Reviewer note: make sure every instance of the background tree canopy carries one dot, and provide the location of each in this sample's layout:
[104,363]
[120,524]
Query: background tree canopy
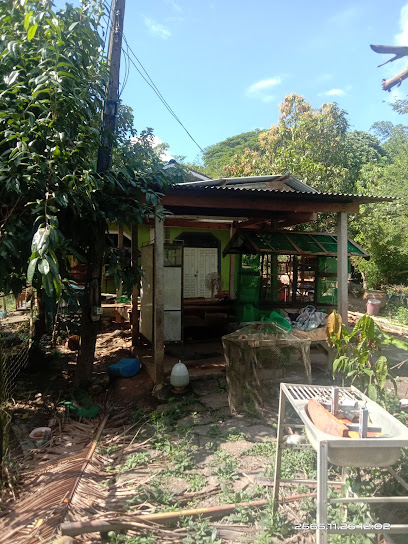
[318,147]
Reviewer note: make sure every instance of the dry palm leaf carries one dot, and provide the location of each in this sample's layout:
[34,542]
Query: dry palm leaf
[37,517]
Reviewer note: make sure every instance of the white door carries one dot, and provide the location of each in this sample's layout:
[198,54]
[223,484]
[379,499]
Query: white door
[198,263]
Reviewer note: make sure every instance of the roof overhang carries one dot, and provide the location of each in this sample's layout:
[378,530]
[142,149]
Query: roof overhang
[246,242]
[196,199]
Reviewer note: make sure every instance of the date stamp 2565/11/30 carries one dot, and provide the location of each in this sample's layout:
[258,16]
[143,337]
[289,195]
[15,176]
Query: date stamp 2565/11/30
[342,526]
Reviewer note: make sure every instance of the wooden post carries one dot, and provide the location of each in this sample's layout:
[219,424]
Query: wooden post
[158,297]
[322,500]
[136,287]
[232,271]
[342,266]
[120,246]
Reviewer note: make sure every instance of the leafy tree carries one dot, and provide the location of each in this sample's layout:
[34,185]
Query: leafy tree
[52,85]
[383,229]
[47,71]
[312,144]
[217,156]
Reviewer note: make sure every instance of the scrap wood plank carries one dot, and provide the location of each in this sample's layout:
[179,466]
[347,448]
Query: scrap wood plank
[325,421]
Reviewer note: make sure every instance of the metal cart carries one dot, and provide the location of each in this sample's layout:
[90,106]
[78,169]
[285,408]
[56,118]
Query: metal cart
[381,451]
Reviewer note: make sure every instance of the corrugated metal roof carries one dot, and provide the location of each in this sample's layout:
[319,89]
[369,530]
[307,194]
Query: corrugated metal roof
[307,195]
[254,182]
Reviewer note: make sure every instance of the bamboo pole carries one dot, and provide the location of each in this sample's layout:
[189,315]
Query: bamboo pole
[76,528]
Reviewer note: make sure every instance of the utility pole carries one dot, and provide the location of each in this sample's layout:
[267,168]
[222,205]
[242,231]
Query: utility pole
[91,305]
[112,91]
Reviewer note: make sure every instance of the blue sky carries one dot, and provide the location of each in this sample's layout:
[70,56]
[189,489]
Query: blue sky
[224,66]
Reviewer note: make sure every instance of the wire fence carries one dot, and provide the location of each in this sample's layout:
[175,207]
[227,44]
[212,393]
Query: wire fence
[14,357]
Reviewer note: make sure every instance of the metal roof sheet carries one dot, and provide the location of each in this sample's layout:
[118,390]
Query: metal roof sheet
[255,182]
[307,195]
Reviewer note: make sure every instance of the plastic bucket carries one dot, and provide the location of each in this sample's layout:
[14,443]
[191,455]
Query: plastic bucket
[373,306]
[249,313]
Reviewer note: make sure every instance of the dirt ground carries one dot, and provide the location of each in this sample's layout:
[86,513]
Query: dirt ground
[158,452]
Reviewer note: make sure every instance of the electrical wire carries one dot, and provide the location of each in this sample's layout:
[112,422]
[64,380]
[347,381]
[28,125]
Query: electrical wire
[153,86]
[108,16]
[127,70]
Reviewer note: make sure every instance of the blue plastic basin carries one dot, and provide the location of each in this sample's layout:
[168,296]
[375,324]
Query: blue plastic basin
[125,368]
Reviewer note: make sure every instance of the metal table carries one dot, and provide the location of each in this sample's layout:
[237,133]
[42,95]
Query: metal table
[381,451]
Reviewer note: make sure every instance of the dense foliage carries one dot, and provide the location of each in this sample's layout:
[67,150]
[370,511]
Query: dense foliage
[317,146]
[47,71]
[383,228]
[216,156]
[52,84]
[54,202]
[313,144]
[359,360]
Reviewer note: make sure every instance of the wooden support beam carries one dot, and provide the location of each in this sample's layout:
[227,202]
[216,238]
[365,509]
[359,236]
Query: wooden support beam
[232,270]
[158,297]
[296,219]
[120,246]
[342,266]
[192,223]
[136,287]
[178,203]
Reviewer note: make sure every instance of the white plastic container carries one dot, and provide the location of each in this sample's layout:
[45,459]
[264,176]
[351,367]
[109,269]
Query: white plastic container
[179,377]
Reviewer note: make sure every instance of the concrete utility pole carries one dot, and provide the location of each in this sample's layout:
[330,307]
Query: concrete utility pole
[112,92]
[91,305]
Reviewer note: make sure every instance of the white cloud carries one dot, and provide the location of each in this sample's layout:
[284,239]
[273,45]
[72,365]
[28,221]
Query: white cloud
[261,89]
[260,86]
[335,92]
[402,37]
[157,28]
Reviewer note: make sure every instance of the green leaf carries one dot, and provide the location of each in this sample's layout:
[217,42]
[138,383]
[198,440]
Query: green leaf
[48,285]
[66,74]
[27,19]
[372,392]
[53,266]
[398,343]
[381,371]
[57,287]
[31,270]
[56,151]
[12,77]
[337,362]
[43,267]
[31,32]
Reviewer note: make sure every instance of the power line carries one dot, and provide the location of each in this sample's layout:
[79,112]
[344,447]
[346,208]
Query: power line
[108,24]
[153,86]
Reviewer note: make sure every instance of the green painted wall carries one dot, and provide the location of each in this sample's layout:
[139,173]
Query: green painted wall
[144,238]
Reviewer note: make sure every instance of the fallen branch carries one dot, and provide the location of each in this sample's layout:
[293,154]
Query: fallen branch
[76,528]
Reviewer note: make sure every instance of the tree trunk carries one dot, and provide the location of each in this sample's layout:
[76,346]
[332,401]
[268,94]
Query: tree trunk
[39,324]
[91,301]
